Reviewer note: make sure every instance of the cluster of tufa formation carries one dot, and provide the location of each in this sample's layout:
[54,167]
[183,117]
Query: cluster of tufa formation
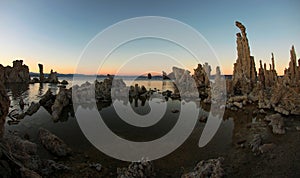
[267,78]
[244,72]
[281,93]
[18,73]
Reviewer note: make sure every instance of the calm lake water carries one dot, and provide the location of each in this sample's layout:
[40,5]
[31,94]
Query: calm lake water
[185,156]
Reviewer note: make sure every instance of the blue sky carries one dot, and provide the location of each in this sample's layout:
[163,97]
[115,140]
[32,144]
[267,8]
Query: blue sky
[55,32]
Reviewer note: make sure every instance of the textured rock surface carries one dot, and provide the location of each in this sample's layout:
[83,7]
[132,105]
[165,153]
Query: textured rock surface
[19,73]
[208,168]
[137,169]
[244,73]
[53,144]
[23,150]
[19,158]
[4,107]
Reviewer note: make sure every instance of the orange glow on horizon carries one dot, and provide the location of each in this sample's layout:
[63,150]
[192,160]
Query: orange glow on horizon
[33,67]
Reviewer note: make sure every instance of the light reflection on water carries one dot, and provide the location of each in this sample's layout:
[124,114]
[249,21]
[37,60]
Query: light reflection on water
[69,131]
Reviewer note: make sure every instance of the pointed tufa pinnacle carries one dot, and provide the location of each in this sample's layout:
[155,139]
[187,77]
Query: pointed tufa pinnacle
[241,27]
[273,63]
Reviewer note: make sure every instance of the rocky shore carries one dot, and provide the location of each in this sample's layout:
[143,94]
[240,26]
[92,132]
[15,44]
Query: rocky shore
[272,102]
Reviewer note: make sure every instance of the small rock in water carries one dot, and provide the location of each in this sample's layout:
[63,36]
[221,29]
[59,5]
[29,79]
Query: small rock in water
[53,144]
[33,108]
[64,82]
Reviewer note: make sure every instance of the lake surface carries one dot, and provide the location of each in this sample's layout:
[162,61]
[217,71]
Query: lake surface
[185,156]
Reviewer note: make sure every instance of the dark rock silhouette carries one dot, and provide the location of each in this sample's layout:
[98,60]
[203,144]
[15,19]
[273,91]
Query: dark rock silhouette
[41,69]
[19,73]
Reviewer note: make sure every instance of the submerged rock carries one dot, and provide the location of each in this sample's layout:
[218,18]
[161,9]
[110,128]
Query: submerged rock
[277,123]
[33,108]
[207,168]
[53,144]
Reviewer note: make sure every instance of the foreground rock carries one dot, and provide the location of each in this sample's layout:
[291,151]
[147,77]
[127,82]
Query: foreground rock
[142,169]
[4,107]
[19,158]
[207,168]
[53,144]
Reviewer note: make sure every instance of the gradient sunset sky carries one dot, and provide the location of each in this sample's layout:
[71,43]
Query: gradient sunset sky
[56,32]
